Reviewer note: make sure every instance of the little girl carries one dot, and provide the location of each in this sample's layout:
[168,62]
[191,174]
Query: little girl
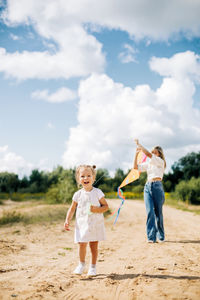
[154,196]
[90,204]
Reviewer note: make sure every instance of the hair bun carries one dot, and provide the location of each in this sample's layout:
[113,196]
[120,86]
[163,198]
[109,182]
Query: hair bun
[94,167]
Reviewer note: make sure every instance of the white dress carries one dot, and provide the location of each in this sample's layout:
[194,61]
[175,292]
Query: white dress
[89,226]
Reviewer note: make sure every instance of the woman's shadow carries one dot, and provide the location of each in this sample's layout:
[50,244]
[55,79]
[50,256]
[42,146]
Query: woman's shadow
[184,241]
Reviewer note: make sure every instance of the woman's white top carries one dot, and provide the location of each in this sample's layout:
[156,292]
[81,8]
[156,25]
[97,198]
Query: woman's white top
[89,226]
[155,167]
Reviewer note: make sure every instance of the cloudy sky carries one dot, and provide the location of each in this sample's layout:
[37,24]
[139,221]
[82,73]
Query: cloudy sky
[81,79]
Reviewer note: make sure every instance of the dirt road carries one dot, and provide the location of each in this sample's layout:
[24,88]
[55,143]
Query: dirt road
[37,261]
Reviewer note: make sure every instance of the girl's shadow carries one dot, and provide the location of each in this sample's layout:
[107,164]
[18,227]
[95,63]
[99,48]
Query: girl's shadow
[132,276]
[117,277]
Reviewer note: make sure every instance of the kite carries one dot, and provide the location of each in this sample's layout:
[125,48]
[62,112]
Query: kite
[132,176]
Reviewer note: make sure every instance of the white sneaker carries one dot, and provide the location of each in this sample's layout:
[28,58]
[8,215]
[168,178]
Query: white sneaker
[92,271]
[150,241]
[79,269]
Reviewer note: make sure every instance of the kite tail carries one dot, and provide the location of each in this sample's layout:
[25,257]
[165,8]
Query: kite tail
[120,195]
[132,176]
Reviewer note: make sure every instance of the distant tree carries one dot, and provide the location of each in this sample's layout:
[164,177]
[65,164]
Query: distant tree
[24,182]
[23,185]
[9,182]
[102,177]
[189,165]
[38,181]
[186,168]
[53,176]
[118,178]
[189,190]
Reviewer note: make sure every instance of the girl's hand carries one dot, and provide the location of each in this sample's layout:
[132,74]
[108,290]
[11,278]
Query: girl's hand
[66,226]
[92,208]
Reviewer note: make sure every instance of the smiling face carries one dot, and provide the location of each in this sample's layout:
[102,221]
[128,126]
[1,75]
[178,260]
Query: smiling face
[86,178]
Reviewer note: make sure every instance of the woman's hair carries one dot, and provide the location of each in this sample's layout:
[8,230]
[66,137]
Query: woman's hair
[92,168]
[161,153]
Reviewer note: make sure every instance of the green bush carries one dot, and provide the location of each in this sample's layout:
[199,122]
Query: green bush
[189,191]
[138,189]
[60,193]
[4,196]
[63,191]
[18,196]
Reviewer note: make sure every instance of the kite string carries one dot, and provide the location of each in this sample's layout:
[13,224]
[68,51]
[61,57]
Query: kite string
[98,179]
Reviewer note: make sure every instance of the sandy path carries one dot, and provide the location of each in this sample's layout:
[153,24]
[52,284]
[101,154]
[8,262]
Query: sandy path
[36,262]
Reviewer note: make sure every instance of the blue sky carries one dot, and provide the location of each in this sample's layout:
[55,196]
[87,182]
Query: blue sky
[78,85]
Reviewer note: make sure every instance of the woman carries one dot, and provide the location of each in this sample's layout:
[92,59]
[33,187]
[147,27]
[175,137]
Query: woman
[154,196]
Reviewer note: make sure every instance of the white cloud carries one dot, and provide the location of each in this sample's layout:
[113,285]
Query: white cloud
[181,65]
[14,37]
[15,163]
[44,65]
[182,72]
[12,162]
[79,53]
[61,95]
[50,125]
[128,55]
[111,115]
[3,149]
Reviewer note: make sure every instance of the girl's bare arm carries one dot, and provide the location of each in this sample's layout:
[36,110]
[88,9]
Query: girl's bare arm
[103,208]
[70,214]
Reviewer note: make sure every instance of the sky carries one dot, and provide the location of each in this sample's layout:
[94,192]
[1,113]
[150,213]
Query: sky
[81,79]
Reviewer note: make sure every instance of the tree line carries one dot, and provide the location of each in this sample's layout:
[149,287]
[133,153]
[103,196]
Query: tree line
[60,184]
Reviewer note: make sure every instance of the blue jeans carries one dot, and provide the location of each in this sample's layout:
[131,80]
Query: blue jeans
[154,199]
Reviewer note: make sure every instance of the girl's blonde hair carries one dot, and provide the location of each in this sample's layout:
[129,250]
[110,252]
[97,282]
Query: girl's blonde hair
[92,168]
[160,151]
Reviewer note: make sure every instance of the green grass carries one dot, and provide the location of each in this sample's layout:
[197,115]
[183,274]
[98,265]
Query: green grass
[37,215]
[48,215]
[183,206]
[67,248]
[11,217]
[20,197]
[4,196]
[16,232]
[62,253]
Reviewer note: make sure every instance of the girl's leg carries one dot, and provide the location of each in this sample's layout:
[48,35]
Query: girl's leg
[94,251]
[151,222]
[82,251]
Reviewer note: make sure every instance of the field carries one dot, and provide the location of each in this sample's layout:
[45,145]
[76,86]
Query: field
[37,257]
